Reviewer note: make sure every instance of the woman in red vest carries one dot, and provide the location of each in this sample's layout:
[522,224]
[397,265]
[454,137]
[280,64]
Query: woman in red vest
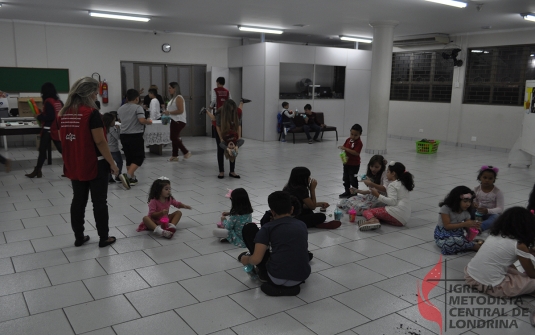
[87,159]
[48,118]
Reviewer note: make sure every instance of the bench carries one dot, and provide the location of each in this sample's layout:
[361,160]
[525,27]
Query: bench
[300,122]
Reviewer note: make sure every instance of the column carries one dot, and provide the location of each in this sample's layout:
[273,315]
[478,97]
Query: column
[383,37]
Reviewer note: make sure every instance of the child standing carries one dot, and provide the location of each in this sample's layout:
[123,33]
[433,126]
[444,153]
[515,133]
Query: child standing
[228,125]
[133,123]
[113,142]
[511,238]
[154,105]
[454,220]
[352,148]
[287,120]
[375,176]
[233,221]
[160,199]
[398,207]
[489,198]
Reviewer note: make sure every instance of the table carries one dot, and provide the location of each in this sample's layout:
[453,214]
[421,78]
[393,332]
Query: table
[156,135]
[23,130]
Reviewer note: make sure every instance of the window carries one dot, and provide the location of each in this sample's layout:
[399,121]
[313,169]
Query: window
[308,81]
[421,76]
[497,75]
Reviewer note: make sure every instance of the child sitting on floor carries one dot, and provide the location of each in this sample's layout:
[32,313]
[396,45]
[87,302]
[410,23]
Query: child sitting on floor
[232,222]
[489,199]
[286,266]
[454,221]
[492,269]
[160,200]
[398,207]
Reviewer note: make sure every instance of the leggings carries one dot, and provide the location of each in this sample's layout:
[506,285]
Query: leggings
[382,215]
[310,218]
[43,147]
[221,153]
[176,140]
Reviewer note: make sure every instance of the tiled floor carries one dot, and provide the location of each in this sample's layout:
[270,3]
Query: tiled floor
[362,282]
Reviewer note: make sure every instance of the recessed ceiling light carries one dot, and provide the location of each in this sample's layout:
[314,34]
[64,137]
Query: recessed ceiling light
[528,16]
[477,51]
[356,39]
[532,55]
[453,3]
[261,30]
[120,16]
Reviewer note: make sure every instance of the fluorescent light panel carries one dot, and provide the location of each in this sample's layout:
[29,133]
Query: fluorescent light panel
[356,39]
[529,17]
[120,16]
[450,3]
[260,30]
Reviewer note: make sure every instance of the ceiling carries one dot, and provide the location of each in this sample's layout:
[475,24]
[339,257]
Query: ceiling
[324,20]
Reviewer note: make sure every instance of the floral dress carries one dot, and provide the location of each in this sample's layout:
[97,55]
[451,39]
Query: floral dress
[234,224]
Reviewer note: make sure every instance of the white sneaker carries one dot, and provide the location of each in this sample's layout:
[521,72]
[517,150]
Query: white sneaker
[164,233]
[286,131]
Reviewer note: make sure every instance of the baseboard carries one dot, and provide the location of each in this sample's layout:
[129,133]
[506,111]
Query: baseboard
[455,144]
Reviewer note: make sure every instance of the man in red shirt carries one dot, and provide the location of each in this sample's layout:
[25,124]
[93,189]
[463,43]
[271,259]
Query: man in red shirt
[352,148]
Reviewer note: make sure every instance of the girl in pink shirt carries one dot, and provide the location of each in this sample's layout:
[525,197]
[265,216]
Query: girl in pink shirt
[160,199]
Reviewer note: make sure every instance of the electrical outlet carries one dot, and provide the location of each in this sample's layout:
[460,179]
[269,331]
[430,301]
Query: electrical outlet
[474,138]
[457,84]
[421,131]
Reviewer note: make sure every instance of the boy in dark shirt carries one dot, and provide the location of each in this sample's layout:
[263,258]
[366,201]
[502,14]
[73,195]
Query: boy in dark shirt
[352,148]
[311,123]
[286,266]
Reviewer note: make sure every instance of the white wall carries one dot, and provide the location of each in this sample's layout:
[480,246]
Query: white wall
[455,122]
[261,77]
[84,50]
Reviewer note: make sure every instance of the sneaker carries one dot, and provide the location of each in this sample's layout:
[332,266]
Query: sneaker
[369,226]
[346,194]
[245,101]
[283,140]
[262,275]
[279,291]
[188,155]
[167,233]
[203,110]
[316,140]
[309,141]
[132,181]
[125,180]
[118,179]
[329,225]
[286,131]
[223,240]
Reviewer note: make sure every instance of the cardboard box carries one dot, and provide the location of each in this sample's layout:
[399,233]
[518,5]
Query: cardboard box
[24,108]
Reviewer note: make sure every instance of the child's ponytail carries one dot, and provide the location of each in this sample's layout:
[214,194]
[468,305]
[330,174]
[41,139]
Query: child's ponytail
[404,176]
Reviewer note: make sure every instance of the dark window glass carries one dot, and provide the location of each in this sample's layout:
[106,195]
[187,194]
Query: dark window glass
[497,75]
[421,76]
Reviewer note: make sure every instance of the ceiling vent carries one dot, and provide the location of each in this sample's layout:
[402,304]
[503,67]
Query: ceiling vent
[417,40]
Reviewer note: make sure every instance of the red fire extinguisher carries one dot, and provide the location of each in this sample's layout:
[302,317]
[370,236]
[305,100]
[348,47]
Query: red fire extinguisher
[104,88]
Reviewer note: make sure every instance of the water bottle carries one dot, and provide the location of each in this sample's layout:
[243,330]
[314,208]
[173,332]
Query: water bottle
[479,217]
[338,214]
[249,269]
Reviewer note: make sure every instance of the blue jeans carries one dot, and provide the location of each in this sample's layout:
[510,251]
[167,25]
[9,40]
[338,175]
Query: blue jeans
[289,125]
[314,127]
[488,220]
[118,158]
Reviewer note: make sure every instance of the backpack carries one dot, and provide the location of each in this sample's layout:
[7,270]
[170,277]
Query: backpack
[279,122]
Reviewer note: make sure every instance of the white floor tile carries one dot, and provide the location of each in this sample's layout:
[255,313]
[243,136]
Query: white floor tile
[157,300]
[23,281]
[276,324]
[166,273]
[123,262]
[38,324]
[55,297]
[163,323]
[39,260]
[213,286]
[12,307]
[65,273]
[115,284]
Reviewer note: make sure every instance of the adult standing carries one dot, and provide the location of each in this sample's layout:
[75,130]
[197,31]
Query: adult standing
[176,108]
[51,107]
[87,159]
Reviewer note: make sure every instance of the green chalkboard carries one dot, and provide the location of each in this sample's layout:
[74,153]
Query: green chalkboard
[28,79]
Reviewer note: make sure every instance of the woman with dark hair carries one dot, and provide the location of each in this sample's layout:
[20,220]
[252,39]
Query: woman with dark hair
[511,239]
[301,186]
[176,108]
[87,159]
[48,118]
[228,127]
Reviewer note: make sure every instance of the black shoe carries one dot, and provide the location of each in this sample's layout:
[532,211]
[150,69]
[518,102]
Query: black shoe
[245,101]
[310,256]
[223,240]
[106,242]
[309,141]
[80,242]
[346,194]
[262,274]
[234,175]
[279,291]
[316,140]
[132,181]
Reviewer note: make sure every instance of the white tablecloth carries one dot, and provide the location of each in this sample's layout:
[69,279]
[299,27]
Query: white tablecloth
[157,133]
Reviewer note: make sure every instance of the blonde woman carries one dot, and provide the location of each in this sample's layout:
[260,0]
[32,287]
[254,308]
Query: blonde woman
[87,159]
[176,108]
